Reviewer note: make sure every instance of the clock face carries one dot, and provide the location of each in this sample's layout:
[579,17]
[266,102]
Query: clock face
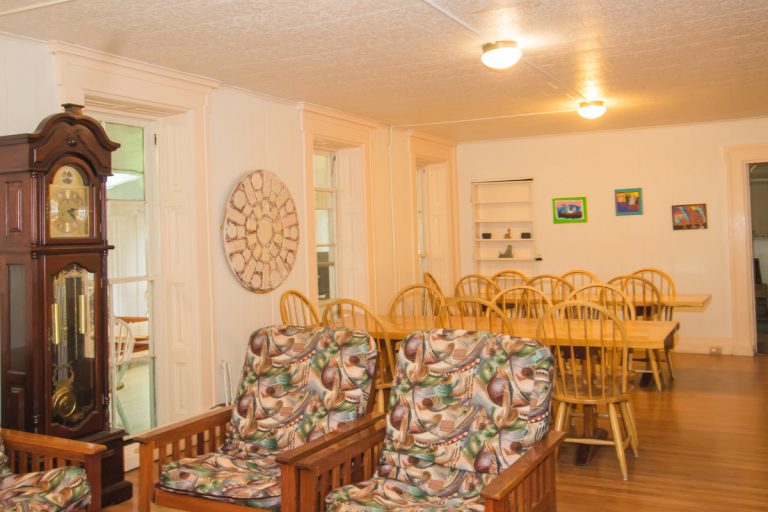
[69,212]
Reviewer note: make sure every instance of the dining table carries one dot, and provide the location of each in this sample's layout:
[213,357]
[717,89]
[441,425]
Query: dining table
[640,334]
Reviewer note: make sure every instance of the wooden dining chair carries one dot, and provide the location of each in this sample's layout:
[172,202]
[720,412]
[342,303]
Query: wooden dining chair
[431,281]
[592,372]
[296,309]
[417,300]
[608,296]
[554,287]
[121,352]
[474,314]
[476,285]
[356,315]
[509,278]
[647,303]
[580,278]
[522,302]
[668,291]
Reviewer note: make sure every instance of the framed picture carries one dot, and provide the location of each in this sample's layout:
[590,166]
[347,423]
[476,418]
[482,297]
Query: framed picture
[568,210]
[629,201]
[689,216]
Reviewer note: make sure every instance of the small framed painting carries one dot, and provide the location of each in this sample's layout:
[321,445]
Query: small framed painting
[629,201]
[569,210]
[689,216]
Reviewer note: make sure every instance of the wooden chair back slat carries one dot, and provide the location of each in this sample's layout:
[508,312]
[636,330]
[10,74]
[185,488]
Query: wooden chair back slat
[476,285]
[664,283]
[297,309]
[590,349]
[431,281]
[509,278]
[522,302]
[554,287]
[416,300]
[609,297]
[580,278]
[474,314]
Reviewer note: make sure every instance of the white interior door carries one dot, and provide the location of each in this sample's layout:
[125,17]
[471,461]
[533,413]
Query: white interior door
[437,228]
[352,225]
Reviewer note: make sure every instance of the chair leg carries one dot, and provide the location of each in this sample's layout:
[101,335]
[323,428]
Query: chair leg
[617,440]
[629,426]
[567,422]
[654,369]
[560,419]
[121,412]
[670,367]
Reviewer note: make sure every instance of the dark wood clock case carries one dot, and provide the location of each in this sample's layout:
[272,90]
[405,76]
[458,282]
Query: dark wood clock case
[53,287]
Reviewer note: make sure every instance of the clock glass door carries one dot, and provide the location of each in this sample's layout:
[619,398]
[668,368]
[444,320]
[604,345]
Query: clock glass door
[73,346]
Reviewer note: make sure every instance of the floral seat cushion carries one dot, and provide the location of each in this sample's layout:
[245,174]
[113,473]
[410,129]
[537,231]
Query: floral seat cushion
[298,383]
[464,406]
[57,490]
[4,469]
[247,480]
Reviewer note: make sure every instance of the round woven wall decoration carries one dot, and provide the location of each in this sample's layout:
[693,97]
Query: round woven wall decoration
[261,231]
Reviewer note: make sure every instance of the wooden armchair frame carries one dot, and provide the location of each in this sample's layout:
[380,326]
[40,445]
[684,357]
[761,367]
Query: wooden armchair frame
[28,452]
[204,434]
[526,485]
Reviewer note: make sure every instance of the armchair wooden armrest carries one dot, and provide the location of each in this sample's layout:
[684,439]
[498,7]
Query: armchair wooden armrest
[350,459]
[39,452]
[193,436]
[529,483]
[289,461]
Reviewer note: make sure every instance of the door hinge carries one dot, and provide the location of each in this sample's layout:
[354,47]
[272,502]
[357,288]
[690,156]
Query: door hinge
[155,137]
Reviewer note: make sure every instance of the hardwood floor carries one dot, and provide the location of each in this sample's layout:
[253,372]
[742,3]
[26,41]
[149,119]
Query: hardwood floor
[703,446]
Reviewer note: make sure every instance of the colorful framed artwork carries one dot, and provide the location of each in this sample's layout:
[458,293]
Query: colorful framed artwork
[689,216]
[569,210]
[629,201]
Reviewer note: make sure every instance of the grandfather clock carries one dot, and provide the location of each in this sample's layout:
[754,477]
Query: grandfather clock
[53,286]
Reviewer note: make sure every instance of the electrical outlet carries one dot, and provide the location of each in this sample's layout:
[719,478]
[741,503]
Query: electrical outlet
[715,351]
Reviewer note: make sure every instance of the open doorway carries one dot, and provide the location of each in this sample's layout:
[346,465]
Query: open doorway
[758,198]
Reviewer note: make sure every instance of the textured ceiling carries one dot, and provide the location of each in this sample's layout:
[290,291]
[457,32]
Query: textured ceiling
[404,62]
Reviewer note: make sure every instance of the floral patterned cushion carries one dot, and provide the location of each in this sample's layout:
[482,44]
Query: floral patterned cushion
[298,383]
[58,490]
[4,469]
[464,406]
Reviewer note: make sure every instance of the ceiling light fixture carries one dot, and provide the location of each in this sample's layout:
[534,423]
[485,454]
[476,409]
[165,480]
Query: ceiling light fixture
[591,109]
[501,54]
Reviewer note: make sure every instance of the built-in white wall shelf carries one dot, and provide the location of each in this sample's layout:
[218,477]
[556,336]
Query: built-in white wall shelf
[503,211]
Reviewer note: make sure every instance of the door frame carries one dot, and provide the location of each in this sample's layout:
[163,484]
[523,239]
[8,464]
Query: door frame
[743,319]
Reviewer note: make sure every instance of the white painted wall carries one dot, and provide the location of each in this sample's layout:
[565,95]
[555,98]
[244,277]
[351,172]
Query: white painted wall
[247,133]
[673,165]
[27,85]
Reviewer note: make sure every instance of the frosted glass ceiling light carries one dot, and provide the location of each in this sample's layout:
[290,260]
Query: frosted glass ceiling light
[591,109]
[501,54]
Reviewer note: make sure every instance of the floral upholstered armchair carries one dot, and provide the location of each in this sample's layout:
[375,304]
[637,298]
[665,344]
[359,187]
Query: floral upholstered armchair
[300,388]
[51,487]
[466,430]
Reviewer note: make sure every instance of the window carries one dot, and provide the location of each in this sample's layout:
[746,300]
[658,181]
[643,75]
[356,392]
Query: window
[324,179]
